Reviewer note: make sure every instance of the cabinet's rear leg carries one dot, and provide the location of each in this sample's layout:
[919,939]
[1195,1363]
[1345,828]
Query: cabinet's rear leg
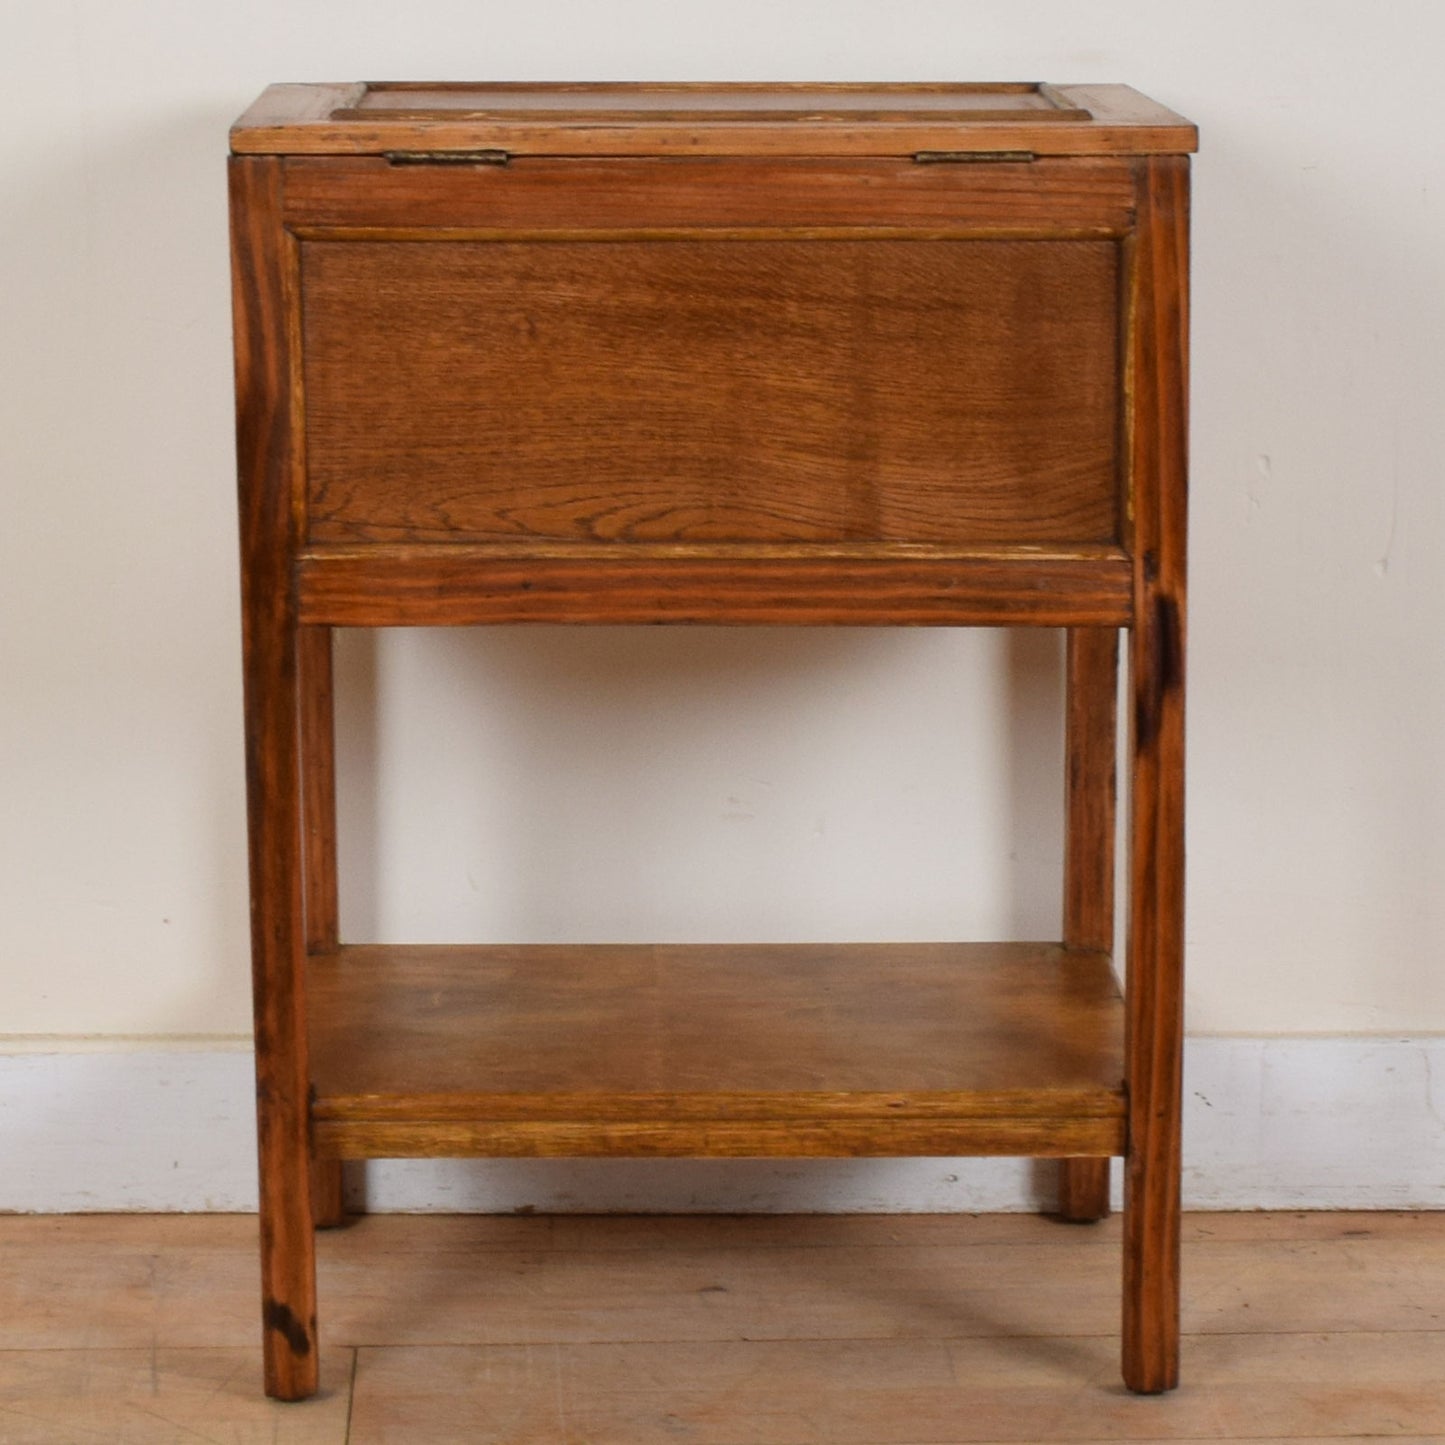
[1083,1190]
[318,788]
[1090,752]
[328,1193]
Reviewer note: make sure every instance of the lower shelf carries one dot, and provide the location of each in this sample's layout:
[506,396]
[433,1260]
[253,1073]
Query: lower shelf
[716,1050]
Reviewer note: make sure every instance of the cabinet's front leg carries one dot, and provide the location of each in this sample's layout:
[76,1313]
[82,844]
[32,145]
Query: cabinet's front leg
[1090,746]
[288,1268]
[1155,1006]
[318,788]
[264,267]
[1154,1014]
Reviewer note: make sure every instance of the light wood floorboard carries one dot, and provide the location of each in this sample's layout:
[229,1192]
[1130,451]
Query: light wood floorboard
[860,1330]
[866,1392]
[160,1396]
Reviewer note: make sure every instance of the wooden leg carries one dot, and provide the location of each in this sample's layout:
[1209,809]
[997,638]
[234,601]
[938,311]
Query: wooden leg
[328,1194]
[1154,1010]
[1083,1190]
[318,789]
[318,784]
[288,1267]
[268,468]
[1090,746]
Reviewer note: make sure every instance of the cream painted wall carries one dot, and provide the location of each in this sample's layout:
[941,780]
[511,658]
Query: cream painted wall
[725,784]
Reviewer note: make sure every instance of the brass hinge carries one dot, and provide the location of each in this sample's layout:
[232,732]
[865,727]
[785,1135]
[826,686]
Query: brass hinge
[940,158]
[447,158]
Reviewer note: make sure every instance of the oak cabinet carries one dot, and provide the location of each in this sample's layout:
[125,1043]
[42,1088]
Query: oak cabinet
[885,355]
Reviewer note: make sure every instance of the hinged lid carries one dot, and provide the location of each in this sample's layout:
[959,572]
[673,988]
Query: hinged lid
[644,119]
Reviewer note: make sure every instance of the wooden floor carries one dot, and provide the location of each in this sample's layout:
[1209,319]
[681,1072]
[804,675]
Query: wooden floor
[142,1330]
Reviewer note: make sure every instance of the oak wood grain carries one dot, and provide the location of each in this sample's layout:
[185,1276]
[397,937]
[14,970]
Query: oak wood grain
[318,814]
[1084,1189]
[726,1050]
[1155,1007]
[695,390]
[1090,743]
[1065,1135]
[574,102]
[664,120]
[262,270]
[298,105]
[345,196]
[438,585]
[733,359]
[318,786]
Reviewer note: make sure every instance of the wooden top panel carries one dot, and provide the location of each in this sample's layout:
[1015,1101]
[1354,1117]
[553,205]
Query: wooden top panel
[606,102]
[633,119]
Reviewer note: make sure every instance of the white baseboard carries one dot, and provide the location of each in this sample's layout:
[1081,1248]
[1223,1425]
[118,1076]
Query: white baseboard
[1289,1123]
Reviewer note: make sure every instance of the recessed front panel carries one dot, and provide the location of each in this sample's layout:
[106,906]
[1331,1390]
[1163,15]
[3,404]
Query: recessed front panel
[712,390]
